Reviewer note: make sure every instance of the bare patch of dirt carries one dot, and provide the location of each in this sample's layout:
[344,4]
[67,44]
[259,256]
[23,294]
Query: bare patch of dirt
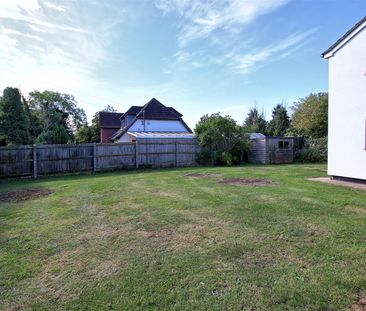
[360,304]
[203,175]
[24,195]
[247,182]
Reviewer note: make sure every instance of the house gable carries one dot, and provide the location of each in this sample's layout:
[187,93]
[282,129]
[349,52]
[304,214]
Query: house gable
[348,36]
[347,109]
[154,116]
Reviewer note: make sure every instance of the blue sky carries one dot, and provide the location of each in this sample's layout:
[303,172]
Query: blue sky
[199,56]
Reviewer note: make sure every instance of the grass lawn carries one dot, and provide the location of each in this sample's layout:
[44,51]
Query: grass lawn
[157,239]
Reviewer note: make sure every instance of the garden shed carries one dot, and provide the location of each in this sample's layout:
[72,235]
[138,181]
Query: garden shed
[268,149]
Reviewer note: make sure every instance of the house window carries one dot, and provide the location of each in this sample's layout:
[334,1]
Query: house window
[283,144]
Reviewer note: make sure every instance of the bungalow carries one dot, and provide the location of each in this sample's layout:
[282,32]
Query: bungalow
[347,105]
[154,120]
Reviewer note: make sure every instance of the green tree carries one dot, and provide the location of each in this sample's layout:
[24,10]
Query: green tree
[14,122]
[310,116]
[85,134]
[56,111]
[221,139]
[280,121]
[55,135]
[255,121]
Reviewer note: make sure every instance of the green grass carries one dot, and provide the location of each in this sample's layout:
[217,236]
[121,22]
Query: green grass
[157,239]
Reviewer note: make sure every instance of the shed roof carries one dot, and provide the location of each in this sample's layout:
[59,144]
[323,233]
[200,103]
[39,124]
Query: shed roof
[256,135]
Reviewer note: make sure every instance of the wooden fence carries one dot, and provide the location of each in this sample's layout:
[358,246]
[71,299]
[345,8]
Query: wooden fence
[35,160]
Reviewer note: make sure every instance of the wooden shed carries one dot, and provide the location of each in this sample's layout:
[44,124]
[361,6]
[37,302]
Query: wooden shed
[268,149]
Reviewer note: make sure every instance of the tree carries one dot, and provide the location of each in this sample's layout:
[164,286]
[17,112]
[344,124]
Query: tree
[14,122]
[59,114]
[222,140]
[280,121]
[85,135]
[310,116]
[255,121]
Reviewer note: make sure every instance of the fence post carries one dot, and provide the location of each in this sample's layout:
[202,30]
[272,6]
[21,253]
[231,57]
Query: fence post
[176,155]
[94,157]
[136,154]
[35,164]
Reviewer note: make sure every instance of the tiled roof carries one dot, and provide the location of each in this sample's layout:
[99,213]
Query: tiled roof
[176,112]
[133,110]
[155,110]
[110,119]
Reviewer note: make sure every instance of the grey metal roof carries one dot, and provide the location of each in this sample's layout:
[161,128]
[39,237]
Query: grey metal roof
[161,134]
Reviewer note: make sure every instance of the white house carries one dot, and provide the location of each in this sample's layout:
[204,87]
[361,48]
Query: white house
[154,120]
[347,105]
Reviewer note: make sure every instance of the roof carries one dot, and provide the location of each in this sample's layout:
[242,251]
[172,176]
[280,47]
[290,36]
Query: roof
[161,134]
[110,119]
[348,35]
[153,110]
[256,135]
[133,110]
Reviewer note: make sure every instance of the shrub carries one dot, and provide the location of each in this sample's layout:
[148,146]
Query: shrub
[222,141]
[315,150]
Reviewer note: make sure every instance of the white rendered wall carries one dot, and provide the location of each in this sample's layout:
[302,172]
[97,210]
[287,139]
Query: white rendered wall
[125,138]
[347,110]
[157,126]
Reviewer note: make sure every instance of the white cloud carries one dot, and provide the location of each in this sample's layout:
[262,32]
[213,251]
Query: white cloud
[201,18]
[244,63]
[221,23]
[53,6]
[54,45]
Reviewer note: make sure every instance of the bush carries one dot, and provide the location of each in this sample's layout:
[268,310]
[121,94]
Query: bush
[222,141]
[315,151]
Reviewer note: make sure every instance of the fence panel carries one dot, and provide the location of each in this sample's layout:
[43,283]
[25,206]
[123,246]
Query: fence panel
[34,160]
[64,158]
[115,156]
[16,161]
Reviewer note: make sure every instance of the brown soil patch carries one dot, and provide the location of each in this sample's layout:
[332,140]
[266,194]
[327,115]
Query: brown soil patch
[360,304]
[247,182]
[203,175]
[23,195]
